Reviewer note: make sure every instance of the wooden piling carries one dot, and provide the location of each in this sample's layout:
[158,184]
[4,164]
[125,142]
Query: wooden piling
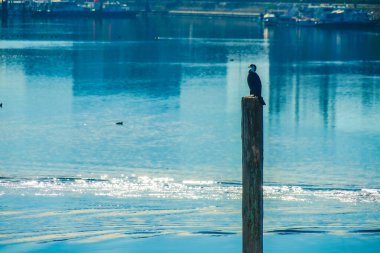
[252,160]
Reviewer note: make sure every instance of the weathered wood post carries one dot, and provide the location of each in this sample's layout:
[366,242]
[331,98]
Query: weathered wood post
[252,159]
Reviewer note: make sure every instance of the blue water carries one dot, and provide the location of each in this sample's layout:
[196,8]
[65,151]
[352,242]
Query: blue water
[71,177]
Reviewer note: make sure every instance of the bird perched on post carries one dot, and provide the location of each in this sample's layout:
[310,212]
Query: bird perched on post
[254,83]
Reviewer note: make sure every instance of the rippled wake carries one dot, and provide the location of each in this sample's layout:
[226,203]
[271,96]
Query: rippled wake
[168,188]
[87,210]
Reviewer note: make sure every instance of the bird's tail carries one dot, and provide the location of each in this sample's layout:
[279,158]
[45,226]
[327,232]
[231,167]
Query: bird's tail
[262,100]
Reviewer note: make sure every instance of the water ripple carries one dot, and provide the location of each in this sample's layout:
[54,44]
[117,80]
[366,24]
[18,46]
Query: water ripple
[168,188]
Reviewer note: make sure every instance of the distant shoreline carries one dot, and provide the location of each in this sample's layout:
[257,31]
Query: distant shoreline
[209,8]
[239,8]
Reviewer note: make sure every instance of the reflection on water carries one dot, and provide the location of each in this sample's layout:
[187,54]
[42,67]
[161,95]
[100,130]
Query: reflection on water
[320,62]
[125,69]
[174,166]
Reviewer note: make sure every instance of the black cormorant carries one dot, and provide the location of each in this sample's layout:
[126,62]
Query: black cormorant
[254,83]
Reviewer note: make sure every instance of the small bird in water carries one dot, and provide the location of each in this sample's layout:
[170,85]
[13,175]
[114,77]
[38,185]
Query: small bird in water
[1,105]
[119,123]
[254,83]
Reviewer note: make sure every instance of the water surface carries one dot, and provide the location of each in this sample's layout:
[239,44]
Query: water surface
[70,177]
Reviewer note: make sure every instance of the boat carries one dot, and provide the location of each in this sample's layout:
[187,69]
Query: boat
[270,19]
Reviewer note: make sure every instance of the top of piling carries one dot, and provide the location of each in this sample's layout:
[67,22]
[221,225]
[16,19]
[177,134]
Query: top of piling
[252,100]
[251,97]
